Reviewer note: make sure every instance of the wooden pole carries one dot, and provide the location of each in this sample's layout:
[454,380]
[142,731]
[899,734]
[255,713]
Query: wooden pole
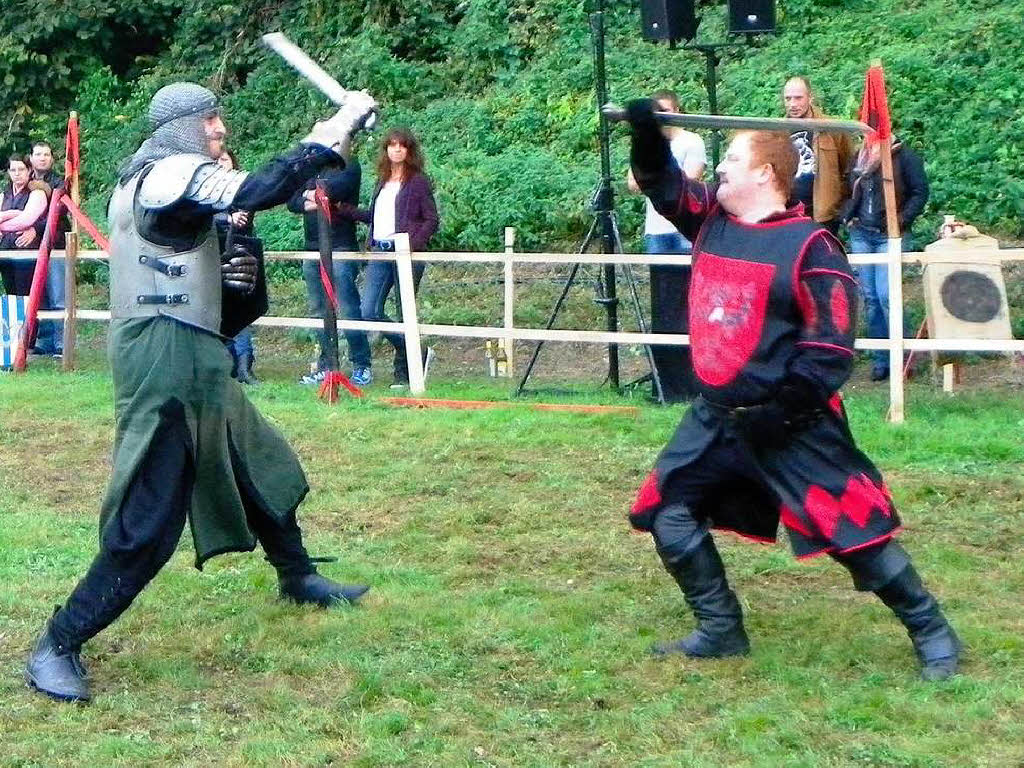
[895,274]
[510,297]
[70,261]
[407,299]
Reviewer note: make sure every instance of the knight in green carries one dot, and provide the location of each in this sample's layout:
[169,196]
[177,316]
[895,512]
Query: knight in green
[188,445]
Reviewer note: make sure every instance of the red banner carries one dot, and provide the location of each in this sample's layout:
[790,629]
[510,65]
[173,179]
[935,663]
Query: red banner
[86,224]
[72,153]
[874,108]
[324,203]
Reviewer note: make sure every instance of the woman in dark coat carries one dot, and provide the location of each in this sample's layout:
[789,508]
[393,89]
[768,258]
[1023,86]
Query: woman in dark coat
[403,201]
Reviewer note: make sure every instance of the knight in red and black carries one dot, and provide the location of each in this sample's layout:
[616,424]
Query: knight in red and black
[772,307]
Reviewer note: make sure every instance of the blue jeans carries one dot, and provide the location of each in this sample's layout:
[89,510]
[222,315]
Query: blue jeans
[50,336]
[670,242]
[242,346]
[379,279]
[348,304]
[874,286]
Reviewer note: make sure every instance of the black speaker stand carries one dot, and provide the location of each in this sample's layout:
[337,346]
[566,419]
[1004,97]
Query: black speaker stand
[605,229]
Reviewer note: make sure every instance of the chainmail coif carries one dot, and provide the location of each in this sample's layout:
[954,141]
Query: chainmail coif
[176,115]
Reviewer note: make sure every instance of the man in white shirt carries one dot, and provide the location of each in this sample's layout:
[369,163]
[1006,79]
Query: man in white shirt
[669,284]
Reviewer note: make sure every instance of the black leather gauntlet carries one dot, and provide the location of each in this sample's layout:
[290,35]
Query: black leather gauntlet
[238,269]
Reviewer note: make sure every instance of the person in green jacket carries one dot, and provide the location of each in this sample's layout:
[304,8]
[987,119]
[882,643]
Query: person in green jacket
[188,443]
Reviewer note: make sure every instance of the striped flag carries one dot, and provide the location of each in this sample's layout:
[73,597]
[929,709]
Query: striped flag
[12,317]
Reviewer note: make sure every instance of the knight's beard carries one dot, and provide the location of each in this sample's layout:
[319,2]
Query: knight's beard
[215,146]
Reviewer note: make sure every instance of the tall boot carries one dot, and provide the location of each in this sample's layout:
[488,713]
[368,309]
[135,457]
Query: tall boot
[935,642]
[888,572]
[700,575]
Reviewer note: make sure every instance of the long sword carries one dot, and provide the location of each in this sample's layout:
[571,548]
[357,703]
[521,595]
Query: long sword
[733,122]
[298,60]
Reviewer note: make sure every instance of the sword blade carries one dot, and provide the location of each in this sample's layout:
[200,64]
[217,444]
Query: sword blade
[297,59]
[735,122]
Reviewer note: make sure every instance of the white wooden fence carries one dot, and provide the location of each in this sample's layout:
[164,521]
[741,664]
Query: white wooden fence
[413,330]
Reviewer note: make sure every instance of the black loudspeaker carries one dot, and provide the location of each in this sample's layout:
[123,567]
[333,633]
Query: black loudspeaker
[668,19]
[751,16]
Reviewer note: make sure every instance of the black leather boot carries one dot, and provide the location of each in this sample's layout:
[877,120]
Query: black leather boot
[935,642]
[312,588]
[701,577]
[244,370]
[57,671]
[296,570]
[887,571]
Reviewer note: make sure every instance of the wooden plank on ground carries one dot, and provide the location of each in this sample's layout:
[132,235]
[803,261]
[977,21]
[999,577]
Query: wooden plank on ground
[478,405]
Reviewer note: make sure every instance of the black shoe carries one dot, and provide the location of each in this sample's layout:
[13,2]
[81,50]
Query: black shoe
[935,642]
[401,367]
[244,370]
[55,671]
[314,588]
[719,632]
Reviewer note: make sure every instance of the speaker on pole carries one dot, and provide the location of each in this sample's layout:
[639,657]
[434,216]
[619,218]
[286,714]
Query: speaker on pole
[668,19]
[751,17]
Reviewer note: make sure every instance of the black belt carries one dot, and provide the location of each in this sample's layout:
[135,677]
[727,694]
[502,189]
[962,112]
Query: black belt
[383,245]
[726,410]
[738,415]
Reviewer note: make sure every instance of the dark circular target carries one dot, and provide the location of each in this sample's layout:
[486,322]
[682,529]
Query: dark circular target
[970,296]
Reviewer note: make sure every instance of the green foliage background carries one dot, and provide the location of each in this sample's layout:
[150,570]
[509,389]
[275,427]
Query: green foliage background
[501,91]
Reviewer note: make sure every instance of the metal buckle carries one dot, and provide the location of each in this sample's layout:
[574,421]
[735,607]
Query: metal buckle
[159,298]
[171,270]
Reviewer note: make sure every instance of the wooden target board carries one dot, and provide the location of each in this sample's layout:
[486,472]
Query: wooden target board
[965,296]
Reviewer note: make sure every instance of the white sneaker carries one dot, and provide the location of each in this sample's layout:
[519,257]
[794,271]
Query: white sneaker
[311,379]
[428,358]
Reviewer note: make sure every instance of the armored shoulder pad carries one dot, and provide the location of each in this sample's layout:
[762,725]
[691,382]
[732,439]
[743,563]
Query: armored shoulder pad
[215,186]
[194,177]
[169,178]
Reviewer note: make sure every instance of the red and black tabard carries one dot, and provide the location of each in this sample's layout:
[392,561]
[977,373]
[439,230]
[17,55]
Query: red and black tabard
[769,301]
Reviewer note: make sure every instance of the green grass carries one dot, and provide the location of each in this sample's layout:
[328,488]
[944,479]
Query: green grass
[512,609]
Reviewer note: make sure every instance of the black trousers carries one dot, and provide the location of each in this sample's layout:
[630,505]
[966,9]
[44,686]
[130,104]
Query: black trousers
[17,275]
[670,286]
[678,529]
[142,538]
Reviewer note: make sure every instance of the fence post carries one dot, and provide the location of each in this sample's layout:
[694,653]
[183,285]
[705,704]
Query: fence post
[509,342]
[407,301]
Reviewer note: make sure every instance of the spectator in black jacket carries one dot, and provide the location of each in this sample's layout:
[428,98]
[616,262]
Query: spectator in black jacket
[242,347]
[864,215]
[342,187]
[15,196]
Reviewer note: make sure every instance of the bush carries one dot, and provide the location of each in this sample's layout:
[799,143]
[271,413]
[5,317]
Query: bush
[501,91]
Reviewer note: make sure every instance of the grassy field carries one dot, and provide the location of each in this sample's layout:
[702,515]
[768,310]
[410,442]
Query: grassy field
[512,609]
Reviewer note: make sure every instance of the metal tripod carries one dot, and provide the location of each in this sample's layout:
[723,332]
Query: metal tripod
[604,227]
